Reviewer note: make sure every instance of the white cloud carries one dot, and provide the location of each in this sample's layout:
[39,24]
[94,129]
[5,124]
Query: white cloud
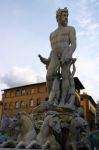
[20,76]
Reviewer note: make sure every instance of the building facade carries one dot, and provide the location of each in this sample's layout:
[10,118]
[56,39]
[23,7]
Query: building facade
[25,98]
[89,106]
[1,107]
[97,111]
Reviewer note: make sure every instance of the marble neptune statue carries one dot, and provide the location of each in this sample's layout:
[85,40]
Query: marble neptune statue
[60,82]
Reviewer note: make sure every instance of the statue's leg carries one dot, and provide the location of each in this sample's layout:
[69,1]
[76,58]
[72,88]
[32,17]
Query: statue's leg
[71,91]
[65,83]
[55,91]
[51,72]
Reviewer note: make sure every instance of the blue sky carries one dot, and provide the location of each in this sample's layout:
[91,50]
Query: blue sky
[25,26]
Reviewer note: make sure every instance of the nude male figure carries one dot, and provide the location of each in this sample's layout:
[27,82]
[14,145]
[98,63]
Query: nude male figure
[63,44]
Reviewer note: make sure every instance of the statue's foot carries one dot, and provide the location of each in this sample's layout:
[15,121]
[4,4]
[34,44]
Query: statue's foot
[70,106]
[33,145]
[55,104]
[50,102]
[21,144]
[61,104]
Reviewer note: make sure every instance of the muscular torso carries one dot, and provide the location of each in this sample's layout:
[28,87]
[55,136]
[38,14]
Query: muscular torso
[60,40]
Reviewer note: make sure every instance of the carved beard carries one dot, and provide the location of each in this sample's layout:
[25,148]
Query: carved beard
[63,22]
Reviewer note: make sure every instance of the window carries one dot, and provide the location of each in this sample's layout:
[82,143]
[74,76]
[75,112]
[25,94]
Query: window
[7,94]
[32,90]
[38,101]
[31,103]
[22,104]
[27,92]
[5,106]
[39,89]
[46,99]
[18,92]
[23,92]
[26,105]
[17,105]
[12,94]
[82,98]
[46,88]
[10,105]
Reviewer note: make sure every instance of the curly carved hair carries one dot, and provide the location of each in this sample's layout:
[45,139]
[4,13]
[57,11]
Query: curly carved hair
[60,11]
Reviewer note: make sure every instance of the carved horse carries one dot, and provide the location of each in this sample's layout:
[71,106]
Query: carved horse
[46,138]
[27,131]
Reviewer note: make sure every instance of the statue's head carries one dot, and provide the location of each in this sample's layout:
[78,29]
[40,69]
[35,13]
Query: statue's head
[18,119]
[16,122]
[62,16]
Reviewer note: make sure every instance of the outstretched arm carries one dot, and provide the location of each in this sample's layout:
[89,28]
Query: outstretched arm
[45,61]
